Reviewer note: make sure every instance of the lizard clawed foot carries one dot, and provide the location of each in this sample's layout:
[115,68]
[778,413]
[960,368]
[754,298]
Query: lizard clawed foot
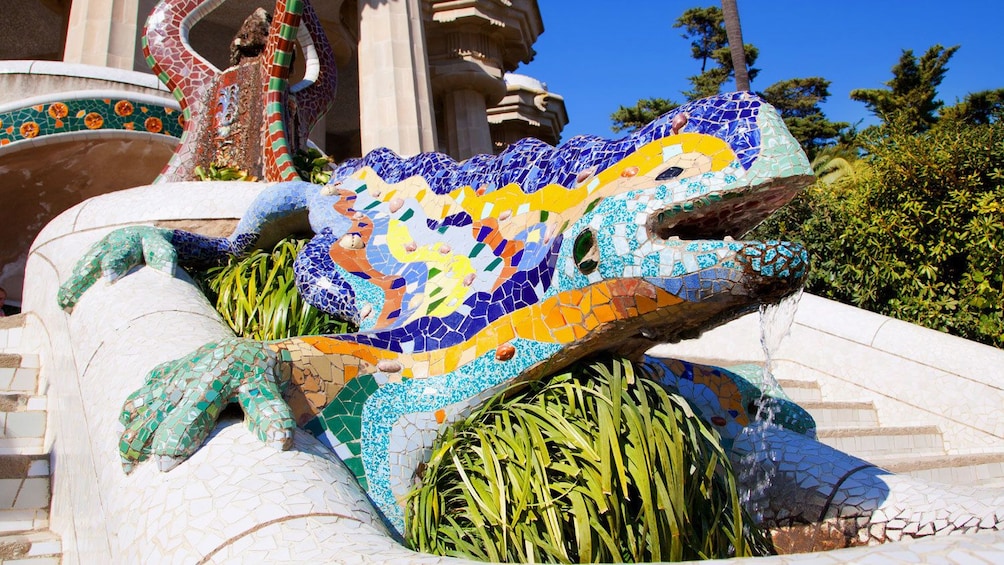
[172,414]
[116,254]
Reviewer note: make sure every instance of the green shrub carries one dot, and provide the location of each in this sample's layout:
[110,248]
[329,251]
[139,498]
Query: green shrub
[313,166]
[595,464]
[256,295]
[916,233]
[217,173]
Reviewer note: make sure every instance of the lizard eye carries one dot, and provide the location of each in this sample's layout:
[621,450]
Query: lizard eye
[585,253]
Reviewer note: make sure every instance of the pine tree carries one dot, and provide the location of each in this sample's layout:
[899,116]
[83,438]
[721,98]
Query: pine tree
[910,99]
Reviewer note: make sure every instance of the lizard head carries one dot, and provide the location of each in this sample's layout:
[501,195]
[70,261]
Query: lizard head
[657,231]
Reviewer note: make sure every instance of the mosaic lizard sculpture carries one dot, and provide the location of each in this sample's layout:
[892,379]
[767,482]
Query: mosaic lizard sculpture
[466,277]
[247,116]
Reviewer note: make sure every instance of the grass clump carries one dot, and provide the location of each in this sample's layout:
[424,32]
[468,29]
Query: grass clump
[222,173]
[596,464]
[257,297]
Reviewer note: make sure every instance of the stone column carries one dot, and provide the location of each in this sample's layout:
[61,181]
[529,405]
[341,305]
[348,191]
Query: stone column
[464,117]
[103,33]
[395,97]
[471,45]
[527,110]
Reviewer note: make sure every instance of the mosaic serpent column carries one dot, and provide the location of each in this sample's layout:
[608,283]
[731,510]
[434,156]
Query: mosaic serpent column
[246,116]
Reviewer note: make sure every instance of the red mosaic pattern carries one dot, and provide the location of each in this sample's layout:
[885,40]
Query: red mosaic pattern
[288,116]
[278,54]
[186,74]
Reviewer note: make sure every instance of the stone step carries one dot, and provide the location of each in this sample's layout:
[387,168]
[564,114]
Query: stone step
[11,328]
[842,414]
[31,548]
[24,521]
[25,493]
[22,417]
[801,391]
[24,483]
[22,377]
[871,442]
[980,470]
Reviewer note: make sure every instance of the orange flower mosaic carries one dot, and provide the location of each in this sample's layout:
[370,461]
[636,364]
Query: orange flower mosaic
[58,110]
[123,108]
[29,130]
[94,120]
[69,114]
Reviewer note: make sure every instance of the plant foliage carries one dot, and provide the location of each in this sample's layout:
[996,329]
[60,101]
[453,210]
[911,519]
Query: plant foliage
[983,107]
[917,232]
[640,114]
[217,173]
[313,166]
[706,27]
[910,99]
[256,295]
[596,464]
[798,100]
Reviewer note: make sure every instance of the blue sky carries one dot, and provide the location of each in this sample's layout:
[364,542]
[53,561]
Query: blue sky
[600,54]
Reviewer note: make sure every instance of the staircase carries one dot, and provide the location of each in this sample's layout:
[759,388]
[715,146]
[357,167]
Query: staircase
[918,451]
[24,462]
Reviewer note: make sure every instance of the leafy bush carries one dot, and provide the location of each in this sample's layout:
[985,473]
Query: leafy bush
[594,465]
[256,295]
[218,173]
[916,233]
[313,166]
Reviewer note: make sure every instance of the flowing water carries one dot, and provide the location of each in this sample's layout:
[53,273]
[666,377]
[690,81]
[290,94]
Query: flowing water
[775,325]
[757,468]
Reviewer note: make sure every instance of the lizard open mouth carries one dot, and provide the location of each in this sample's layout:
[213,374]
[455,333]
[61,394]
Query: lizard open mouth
[725,214]
[690,274]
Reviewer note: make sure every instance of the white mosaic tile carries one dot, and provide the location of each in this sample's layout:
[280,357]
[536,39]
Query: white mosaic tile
[34,494]
[6,377]
[8,492]
[24,425]
[25,380]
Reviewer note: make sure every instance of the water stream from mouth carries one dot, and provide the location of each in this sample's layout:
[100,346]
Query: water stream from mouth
[775,325]
[757,470]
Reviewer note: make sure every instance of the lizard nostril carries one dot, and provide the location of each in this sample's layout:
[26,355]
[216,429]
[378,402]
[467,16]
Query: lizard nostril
[584,252]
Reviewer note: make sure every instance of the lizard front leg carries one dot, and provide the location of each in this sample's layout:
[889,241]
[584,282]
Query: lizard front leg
[171,415]
[275,213]
[120,251]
